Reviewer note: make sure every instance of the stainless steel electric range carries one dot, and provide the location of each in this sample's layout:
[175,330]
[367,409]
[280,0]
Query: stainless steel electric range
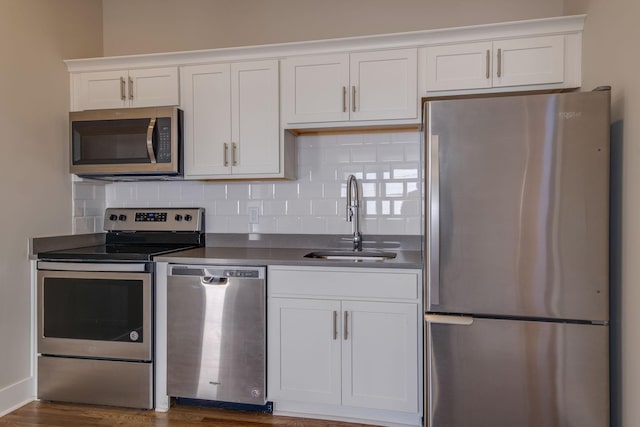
[96,312]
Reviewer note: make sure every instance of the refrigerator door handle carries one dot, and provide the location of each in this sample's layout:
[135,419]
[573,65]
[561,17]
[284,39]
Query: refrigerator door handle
[448,320]
[433,226]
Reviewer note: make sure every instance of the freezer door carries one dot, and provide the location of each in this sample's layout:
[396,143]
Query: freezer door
[489,373]
[517,213]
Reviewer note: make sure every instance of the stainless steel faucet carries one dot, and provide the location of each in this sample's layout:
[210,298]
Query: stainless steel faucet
[353,198]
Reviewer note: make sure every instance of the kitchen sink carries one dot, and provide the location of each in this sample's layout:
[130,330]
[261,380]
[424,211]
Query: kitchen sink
[352,255]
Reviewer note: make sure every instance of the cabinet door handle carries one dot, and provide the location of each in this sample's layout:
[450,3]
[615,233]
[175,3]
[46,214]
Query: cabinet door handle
[488,61]
[234,158]
[499,63]
[346,325]
[344,99]
[130,88]
[335,325]
[122,84]
[225,153]
[353,98]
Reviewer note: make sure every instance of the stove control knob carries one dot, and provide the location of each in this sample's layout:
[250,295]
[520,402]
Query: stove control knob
[178,217]
[113,217]
[188,217]
[122,217]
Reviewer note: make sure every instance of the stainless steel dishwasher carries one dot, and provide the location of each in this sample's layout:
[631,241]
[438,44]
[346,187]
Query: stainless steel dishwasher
[216,337]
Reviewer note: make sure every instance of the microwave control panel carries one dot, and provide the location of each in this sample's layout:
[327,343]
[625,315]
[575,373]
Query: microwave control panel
[163,129]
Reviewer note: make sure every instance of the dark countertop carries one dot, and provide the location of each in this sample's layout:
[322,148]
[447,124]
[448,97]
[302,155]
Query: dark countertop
[283,256]
[263,249]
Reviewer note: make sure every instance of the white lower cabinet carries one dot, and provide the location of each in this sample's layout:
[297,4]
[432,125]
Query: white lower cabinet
[305,355]
[345,342]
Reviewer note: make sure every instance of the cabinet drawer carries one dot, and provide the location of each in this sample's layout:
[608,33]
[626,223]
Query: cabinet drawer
[344,282]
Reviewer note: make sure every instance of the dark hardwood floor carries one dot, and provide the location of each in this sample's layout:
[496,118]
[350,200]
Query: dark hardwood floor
[71,415]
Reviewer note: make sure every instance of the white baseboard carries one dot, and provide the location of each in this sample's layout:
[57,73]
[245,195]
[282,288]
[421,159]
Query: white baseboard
[17,395]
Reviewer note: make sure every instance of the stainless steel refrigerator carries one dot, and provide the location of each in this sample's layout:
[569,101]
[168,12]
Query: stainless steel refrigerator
[516,261]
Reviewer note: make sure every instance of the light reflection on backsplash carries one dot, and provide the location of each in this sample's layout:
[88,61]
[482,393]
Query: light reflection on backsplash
[387,166]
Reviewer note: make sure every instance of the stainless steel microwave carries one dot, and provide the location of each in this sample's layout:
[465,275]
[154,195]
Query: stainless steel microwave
[126,143]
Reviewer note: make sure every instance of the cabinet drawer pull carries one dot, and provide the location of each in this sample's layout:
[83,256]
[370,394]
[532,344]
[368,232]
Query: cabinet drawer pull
[122,84]
[346,325]
[335,325]
[499,63]
[225,154]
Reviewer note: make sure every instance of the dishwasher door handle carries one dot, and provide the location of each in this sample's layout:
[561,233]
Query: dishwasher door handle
[214,280]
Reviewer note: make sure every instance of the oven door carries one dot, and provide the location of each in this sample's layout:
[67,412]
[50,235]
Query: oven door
[102,314]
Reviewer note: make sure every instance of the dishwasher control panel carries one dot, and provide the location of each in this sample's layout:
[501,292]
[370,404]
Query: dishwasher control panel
[242,273]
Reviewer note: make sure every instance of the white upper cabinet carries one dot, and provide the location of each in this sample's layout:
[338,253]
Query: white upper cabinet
[377,85]
[231,120]
[315,88]
[149,87]
[529,61]
[497,64]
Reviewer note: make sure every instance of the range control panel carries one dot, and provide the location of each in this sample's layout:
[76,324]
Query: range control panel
[154,219]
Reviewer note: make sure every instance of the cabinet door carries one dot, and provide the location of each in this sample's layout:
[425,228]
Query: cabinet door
[206,101]
[384,85]
[459,66]
[103,89]
[380,355]
[255,142]
[528,61]
[316,88]
[303,350]
[153,87]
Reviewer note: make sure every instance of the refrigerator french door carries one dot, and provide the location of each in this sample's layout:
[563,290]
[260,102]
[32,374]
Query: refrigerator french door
[517,289]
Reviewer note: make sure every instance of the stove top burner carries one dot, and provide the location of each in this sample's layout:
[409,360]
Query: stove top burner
[139,234]
[113,252]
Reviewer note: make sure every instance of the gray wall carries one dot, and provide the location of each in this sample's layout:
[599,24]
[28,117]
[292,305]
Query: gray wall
[146,26]
[35,36]
[610,57]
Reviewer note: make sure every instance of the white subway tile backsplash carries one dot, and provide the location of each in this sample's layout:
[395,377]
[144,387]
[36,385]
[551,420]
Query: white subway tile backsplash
[364,154]
[237,191]
[387,166]
[194,191]
[288,224]
[314,224]
[310,190]
[262,191]
[391,225]
[299,207]
[227,207]
[286,190]
[217,223]
[214,191]
[274,207]
[390,153]
[324,207]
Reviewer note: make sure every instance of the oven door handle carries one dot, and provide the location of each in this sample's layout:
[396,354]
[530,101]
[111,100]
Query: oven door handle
[89,266]
[150,128]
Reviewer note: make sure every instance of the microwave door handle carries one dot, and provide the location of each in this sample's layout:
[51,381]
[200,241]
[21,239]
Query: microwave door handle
[152,125]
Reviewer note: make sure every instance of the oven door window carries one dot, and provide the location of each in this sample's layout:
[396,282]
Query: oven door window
[93,309]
